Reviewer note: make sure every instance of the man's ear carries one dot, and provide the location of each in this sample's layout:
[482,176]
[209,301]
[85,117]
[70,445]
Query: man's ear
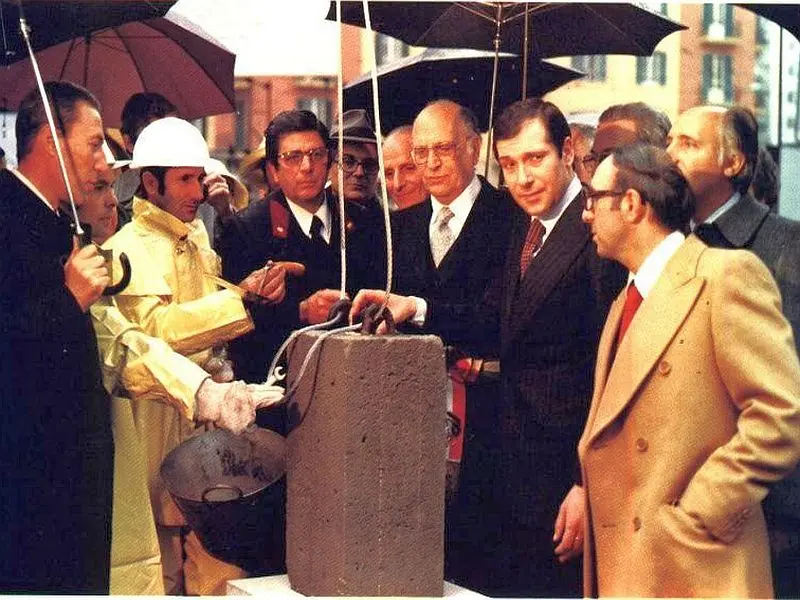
[273,172]
[475,145]
[568,151]
[150,183]
[733,164]
[633,206]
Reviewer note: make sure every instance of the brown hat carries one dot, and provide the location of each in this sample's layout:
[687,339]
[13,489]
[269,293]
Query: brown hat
[356,127]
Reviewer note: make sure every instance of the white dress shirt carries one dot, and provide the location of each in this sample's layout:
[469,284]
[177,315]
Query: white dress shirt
[461,208]
[652,267]
[304,218]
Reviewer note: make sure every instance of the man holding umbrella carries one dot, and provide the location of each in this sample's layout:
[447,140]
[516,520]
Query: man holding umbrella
[55,434]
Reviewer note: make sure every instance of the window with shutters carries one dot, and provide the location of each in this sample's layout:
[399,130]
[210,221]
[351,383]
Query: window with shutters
[319,106]
[718,21]
[652,69]
[388,49]
[593,65]
[717,79]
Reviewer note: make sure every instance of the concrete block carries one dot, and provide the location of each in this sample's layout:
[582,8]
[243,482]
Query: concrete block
[366,467]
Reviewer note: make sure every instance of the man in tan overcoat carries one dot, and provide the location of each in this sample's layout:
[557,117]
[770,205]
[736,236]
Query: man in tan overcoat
[696,406]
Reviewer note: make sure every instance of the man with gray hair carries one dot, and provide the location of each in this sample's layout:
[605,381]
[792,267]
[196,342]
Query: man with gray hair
[716,149]
[623,124]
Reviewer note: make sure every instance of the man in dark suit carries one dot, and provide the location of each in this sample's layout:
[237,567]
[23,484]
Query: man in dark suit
[453,261]
[716,149]
[300,223]
[551,303]
[55,431]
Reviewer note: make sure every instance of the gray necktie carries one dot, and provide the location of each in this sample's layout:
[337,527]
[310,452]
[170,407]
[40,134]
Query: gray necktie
[442,236]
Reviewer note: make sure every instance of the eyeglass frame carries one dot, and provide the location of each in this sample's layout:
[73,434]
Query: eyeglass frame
[440,150]
[595,159]
[592,196]
[374,165]
[314,156]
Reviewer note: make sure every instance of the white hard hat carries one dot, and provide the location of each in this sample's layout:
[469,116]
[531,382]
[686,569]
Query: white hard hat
[170,142]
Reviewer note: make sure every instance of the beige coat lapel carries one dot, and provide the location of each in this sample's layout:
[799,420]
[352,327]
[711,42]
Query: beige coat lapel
[652,329]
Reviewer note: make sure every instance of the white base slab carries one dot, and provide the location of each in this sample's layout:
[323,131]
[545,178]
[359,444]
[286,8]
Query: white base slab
[277,587]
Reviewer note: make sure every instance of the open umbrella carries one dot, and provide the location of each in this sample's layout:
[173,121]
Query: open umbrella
[461,75]
[169,55]
[555,28]
[55,21]
[538,29]
[785,15]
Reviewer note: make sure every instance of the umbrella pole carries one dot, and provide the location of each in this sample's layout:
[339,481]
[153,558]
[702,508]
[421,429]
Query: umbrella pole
[494,89]
[525,45]
[23,26]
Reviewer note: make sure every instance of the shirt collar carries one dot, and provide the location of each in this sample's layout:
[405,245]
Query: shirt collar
[157,218]
[27,182]
[550,219]
[304,218]
[720,211]
[652,267]
[462,203]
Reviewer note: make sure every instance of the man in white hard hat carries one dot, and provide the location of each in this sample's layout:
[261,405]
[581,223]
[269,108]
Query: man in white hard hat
[170,296]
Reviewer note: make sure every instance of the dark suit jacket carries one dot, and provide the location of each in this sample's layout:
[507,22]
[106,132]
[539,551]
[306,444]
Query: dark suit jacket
[55,422]
[248,239]
[465,273]
[550,324]
[776,241]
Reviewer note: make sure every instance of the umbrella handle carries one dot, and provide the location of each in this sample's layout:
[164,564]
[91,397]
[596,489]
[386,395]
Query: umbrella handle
[85,238]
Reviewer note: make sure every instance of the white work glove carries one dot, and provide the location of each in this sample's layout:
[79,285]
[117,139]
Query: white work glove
[232,406]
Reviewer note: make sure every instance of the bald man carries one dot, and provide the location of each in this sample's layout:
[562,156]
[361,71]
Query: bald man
[403,178]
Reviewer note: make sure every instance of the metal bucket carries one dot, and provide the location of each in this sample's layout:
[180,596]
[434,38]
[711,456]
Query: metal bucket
[232,491]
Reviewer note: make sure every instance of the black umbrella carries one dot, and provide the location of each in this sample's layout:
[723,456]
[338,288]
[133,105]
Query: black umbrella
[461,75]
[538,29]
[785,15]
[55,21]
[556,28]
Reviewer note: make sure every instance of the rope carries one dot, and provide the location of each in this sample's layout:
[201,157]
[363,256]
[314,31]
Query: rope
[339,153]
[387,224]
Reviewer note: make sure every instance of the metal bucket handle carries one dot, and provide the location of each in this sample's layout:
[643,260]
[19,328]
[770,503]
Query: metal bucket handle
[221,486]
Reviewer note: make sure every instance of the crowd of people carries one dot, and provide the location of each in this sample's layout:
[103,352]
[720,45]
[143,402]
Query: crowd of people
[621,317]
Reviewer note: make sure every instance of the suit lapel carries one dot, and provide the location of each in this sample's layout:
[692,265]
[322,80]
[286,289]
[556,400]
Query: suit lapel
[548,267]
[652,329]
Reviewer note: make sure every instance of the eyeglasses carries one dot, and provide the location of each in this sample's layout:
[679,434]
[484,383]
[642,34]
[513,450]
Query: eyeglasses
[592,196]
[591,160]
[294,158]
[350,163]
[419,154]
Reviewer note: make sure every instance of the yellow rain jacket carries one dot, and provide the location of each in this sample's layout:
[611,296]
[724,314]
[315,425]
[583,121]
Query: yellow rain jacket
[171,299]
[130,358]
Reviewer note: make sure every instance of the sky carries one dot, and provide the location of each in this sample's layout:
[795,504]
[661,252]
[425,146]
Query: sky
[270,37]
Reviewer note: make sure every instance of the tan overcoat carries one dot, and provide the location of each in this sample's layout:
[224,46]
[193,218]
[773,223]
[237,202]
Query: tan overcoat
[691,421]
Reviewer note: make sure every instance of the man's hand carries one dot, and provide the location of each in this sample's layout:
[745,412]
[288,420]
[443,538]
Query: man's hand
[569,532]
[269,282]
[402,308]
[218,194]
[316,308]
[86,274]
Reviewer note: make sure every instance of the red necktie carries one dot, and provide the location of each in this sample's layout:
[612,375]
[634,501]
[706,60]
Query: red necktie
[632,301]
[533,241]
